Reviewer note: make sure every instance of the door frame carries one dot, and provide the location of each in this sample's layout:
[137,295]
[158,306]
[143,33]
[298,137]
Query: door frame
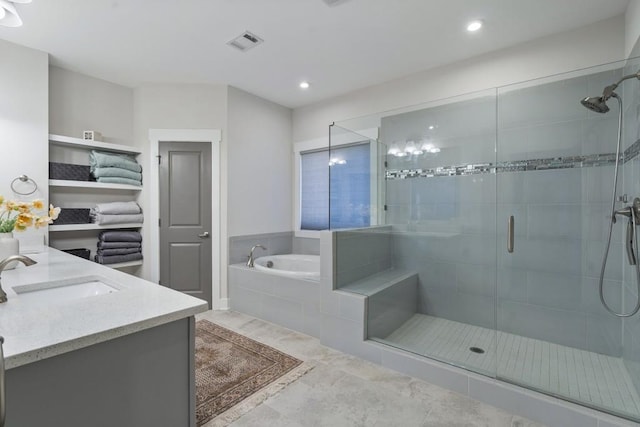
[214,137]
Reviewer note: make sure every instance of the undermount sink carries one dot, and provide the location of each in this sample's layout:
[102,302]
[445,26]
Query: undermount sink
[66,290]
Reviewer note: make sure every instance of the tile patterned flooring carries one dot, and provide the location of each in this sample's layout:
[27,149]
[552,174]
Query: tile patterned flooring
[599,380]
[343,390]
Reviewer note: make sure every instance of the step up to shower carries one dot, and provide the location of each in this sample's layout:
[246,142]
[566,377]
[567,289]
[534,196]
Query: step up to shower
[392,299]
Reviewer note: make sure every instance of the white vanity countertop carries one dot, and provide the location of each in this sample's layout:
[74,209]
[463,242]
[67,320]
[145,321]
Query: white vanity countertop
[36,330]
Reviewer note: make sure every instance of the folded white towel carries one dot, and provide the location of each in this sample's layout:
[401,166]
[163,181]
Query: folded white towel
[117,208]
[104,219]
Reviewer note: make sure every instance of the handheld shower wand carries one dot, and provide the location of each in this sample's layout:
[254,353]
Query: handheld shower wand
[598,104]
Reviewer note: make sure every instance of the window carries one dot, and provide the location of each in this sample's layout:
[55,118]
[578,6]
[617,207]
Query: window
[335,188]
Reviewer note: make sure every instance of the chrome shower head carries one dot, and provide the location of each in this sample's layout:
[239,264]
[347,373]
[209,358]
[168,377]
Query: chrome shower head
[599,103]
[595,103]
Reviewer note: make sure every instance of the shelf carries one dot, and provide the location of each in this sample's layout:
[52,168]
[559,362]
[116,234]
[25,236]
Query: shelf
[69,141]
[124,264]
[92,184]
[80,227]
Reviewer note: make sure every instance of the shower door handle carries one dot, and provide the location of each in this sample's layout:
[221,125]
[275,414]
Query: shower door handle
[510,233]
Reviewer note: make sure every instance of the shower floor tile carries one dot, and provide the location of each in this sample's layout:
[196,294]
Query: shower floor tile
[583,376]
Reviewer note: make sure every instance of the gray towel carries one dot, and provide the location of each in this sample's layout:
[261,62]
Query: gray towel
[118,180]
[120,236]
[100,159]
[117,219]
[120,251]
[117,208]
[119,245]
[113,259]
[116,172]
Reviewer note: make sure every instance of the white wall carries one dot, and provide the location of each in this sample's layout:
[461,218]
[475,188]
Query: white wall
[632,26]
[24,120]
[260,166]
[598,43]
[173,106]
[78,102]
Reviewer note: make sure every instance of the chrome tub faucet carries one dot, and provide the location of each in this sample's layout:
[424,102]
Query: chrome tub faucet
[250,260]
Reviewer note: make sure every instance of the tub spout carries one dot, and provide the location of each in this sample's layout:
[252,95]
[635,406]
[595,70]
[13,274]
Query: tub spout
[250,260]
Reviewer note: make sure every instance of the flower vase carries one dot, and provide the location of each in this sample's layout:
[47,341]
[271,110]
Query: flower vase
[9,246]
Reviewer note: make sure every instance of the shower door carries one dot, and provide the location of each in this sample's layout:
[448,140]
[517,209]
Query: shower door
[440,213]
[554,178]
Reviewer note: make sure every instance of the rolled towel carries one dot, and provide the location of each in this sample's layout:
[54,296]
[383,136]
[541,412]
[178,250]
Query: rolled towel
[120,236]
[118,180]
[103,219]
[100,159]
[119,245]
[113,259]
[117,208]
[99,172]
[120,251]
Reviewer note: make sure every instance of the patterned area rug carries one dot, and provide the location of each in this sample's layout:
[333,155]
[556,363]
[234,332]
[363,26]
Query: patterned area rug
[231,367]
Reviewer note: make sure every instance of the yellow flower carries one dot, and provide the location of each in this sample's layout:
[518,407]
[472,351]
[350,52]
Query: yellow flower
[18,215]
[53,212]
[24,207]
[42,221]
[24,220]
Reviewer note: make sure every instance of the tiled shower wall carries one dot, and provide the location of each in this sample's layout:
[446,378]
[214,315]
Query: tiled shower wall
[631,326]
[450,229]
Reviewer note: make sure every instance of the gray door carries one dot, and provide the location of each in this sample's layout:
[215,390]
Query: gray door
[185,217]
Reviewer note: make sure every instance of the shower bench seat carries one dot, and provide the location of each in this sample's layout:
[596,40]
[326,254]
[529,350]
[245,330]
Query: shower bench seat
[392,299]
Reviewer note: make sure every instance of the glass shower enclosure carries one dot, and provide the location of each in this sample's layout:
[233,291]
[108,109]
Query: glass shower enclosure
[492,216]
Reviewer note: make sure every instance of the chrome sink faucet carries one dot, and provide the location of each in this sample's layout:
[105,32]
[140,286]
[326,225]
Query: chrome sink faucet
[250,260]
[3,264]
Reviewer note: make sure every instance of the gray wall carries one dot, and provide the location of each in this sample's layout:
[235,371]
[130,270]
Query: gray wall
[260,165]
[24,125]
[78,102]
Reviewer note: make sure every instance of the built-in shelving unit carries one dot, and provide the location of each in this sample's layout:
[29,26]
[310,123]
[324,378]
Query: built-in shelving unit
[70,141]
[92,184]
[84,193]
[81,227]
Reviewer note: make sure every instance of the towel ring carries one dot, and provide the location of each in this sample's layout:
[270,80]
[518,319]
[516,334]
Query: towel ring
[24,178]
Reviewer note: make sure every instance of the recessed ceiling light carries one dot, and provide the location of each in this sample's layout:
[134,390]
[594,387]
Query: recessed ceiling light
[474,26]
[304,85]
[432,127]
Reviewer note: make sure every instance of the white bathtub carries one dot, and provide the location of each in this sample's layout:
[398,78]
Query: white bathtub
[296,266]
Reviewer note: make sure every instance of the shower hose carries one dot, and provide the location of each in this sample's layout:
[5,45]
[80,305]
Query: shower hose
[613,220]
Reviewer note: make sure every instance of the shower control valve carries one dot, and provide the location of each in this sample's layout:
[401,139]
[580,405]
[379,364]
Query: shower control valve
[632,212]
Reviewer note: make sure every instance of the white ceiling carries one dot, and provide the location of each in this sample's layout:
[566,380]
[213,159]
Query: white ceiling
[338,49]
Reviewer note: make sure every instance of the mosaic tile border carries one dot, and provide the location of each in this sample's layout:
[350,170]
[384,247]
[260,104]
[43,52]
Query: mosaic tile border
[569,162]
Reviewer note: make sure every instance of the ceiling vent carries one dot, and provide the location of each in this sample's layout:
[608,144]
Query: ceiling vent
[245,41]
[334,2]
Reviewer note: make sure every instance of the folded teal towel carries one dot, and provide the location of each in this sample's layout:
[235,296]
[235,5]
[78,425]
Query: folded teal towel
[100,159]
[117,180]
[100,172]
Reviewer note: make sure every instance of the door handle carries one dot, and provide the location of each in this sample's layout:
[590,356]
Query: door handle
[510,239]
[204,235]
